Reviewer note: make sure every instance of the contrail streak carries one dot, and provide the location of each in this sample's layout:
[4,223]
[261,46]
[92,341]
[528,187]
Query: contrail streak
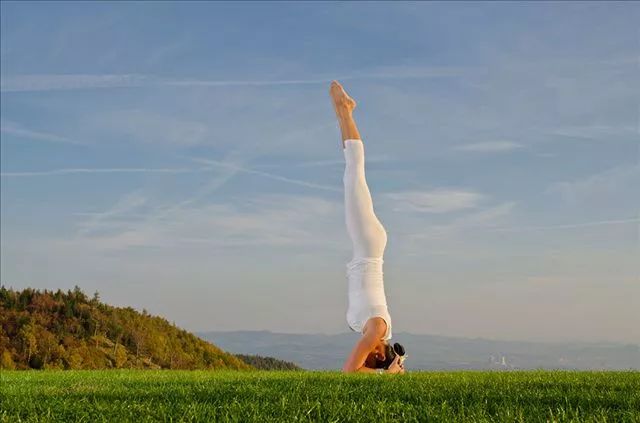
[269,175]
[47,82]
[55,172]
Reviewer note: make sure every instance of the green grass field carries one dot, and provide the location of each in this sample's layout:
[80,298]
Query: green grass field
[119,396]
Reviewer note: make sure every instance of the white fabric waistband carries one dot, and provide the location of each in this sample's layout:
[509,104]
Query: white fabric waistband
[364,261]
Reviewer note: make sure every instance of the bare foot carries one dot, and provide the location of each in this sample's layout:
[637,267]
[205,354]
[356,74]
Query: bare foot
[342,103]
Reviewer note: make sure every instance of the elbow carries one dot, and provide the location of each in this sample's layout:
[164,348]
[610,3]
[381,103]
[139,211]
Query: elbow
[349,369]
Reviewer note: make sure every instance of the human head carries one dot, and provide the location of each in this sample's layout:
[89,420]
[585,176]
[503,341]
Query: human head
[378,355]
[383,360]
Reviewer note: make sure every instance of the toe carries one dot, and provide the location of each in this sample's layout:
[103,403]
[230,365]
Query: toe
[337,88]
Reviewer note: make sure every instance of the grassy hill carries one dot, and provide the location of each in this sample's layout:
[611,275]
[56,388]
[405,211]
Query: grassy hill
[202,396]
[68,330]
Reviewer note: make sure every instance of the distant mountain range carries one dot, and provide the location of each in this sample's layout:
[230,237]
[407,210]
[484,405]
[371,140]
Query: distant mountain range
[429,352]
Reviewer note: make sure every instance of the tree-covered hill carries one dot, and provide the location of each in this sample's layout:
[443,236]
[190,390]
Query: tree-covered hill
[68,330]
[267,363]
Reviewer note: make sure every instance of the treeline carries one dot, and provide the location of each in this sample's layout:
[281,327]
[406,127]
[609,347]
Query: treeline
[267,363]
[68,330]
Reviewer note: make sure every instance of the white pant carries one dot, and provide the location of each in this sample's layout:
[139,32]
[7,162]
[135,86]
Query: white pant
[364,272]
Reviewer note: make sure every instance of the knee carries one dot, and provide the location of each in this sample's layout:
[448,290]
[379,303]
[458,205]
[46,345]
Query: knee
[375,241]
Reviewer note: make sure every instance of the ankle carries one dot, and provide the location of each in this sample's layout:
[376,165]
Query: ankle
[345,116]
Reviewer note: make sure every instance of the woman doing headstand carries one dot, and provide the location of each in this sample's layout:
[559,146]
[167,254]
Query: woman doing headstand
[367,312]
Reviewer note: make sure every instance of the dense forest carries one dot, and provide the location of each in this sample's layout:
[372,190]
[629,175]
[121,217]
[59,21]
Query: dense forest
[69,330]
[267,363]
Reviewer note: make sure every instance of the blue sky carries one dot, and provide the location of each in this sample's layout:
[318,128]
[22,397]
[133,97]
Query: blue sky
[184,158]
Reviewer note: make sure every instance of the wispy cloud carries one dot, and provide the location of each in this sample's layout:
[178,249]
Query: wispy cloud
[184,222]
[249,83]
[620,181]
[274,220]
[50,82]
[151,127]
[579,225]
[339,162]
[485,217]
[415,71]
[224,175]
[595,132]
[123,207]
[285,179]
[16,130]
[489,147]
[131,225]
[436,201]
[268,220]
[71,171]
[482,219]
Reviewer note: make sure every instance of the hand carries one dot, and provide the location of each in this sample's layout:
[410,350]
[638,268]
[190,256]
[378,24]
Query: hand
[396,366]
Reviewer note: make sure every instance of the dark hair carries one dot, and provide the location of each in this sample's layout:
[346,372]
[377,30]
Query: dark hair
[390,355]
